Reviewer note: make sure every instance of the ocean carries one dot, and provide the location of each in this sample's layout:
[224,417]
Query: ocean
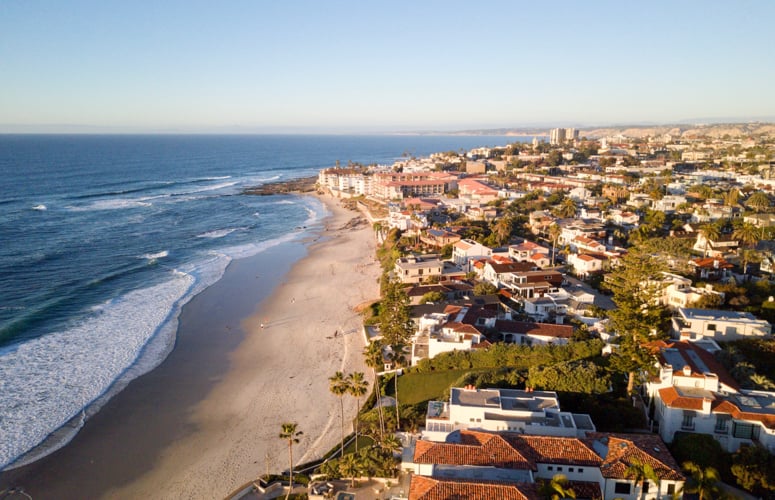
[103,239]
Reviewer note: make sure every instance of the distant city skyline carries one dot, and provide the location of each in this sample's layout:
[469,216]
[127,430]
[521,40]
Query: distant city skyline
[349,67]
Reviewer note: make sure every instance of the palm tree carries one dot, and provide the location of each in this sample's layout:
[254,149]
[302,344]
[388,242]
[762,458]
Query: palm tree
[398,359]
[566,209]
[373,355]
[357,387]
[391,443]
[704,482]
[502,229]
[339,386]
[556,489]
[291,434]
[349,466]
[710,232]
[554,234]
[731,197]
[747,233]
[642,472]
[758,201]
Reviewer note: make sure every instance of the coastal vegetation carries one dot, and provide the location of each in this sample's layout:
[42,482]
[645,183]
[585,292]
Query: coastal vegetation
[290,433]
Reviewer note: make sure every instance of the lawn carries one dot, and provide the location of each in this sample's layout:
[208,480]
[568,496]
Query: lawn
[363,442]
[415,388]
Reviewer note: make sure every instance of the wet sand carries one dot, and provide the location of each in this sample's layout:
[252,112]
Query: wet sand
[207,419]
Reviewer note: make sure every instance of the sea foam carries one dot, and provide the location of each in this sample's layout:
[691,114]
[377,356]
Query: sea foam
[47,381]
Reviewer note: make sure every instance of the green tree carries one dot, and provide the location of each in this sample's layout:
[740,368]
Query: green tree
[748,234]
[556,489]
[710,232]
[641,473]
[573,376]
[703,481]
[290,433]
[758,201]
[399,360]
[502,230]
[357,387]
[350,466]
[373,359]
[339,385]
[566,209]
[484,288]
[554,235]
[639,317]
[754,469]
[433,297]
[732,197]
[394,321]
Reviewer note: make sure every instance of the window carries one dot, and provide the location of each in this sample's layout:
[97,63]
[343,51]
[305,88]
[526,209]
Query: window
[559,469]
[622,488]
[711,327]
[688,421]
[580,470]
[744,430]
[722,424]
[645,487]
[671,489]
[550,467]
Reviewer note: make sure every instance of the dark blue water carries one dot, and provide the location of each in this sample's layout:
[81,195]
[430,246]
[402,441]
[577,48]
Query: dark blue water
[104,238]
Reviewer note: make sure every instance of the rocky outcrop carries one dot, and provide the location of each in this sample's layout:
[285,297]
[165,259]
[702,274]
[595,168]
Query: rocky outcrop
[301,185]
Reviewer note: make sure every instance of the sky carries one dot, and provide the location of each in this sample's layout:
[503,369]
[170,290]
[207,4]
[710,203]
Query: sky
[333,66]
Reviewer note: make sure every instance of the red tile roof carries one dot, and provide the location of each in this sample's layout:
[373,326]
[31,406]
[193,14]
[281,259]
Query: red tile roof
[711,263]
[429,488]
[560,450]
[727,406]
[540,329]
[672,398]
[476,448]
[623,449]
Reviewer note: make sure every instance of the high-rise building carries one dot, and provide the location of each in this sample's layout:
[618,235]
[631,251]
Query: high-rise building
[557,136]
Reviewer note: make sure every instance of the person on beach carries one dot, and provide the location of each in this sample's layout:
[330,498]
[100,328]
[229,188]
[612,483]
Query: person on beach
[262,326]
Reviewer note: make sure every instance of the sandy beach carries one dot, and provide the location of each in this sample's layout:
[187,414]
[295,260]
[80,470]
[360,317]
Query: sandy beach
[207,420]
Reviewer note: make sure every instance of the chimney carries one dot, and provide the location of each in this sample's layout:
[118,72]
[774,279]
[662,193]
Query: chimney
[687,370]
[706,403]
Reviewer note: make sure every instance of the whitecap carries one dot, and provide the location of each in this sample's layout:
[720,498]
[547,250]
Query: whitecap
[218,233]
[40,207]
[155,256]
[41,391]
[115,204]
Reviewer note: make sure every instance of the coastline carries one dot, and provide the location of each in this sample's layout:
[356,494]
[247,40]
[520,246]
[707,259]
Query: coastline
[203,422]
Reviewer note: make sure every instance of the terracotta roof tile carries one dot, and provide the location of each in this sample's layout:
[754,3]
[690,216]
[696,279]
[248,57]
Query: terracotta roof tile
[476,448]
[623,449]
[671,397]
[529,328]
[429,488]
[560,450]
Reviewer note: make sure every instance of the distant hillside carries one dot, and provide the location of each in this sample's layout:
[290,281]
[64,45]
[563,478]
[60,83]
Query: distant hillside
[715,130]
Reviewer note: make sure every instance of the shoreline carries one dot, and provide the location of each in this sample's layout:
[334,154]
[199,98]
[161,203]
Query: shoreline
[195,426]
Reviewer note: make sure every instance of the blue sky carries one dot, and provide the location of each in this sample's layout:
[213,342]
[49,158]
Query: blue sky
[349,66]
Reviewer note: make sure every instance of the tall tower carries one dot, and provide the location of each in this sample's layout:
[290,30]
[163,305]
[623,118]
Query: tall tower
[556,136]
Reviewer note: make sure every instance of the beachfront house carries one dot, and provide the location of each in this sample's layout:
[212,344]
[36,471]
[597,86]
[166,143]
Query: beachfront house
[693,393]
[529,412]
[718,325]
[475,461]
[418,268]
[465,251]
